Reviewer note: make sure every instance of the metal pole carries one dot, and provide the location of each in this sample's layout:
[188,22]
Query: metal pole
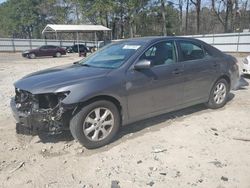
[77,39]
[96,40]
[13,45]
[238,42]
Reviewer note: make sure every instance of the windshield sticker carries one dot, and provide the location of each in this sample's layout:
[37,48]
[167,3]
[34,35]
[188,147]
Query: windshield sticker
[131,47]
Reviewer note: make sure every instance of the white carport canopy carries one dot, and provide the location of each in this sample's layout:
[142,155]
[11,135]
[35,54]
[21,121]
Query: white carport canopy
[55,28]
[74,28]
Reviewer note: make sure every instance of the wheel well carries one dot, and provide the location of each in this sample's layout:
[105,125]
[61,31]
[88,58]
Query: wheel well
[227,79]
[102,97]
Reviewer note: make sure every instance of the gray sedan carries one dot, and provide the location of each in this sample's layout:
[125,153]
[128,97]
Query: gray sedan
[122,83]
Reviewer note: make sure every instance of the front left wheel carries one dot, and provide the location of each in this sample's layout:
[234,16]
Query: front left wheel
[96,124]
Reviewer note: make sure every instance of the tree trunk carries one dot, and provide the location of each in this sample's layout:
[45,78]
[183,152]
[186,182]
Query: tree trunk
[131,33]
[198,20]
[164,29]
[197,4]
[187,13]
[107,19]
[122,25]
[180,7]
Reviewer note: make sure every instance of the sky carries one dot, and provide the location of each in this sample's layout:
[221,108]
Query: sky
[1,1]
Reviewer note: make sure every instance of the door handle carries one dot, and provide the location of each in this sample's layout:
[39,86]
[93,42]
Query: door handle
[177,71]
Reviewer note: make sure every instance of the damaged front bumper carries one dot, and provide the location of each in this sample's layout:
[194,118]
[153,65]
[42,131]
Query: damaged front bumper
[39,113]
[31,122]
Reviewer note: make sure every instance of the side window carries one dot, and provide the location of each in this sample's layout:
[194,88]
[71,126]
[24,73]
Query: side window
[43,47]
[51,47]
[207,53]
[191,51]
[161,53]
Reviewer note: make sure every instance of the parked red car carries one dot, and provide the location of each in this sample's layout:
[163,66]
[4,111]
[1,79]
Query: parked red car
[47,50]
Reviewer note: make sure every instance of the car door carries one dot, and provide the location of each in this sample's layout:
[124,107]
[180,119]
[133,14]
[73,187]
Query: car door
[200,70]
[42,51]
[47,50]
[51,50]
[158,88]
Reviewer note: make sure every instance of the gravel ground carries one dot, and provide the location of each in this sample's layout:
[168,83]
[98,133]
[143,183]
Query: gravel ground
[194,147]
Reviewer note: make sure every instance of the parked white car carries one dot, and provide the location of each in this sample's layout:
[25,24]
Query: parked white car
[246,65]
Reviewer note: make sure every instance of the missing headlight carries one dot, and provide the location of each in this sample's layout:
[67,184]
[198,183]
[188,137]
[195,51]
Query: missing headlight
[51,100]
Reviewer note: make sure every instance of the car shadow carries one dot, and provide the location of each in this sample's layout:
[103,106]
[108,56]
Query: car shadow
[65,136]
[136,129]
[48,57]
[168,117]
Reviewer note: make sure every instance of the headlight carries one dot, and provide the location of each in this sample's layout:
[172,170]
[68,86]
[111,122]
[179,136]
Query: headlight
[62,95]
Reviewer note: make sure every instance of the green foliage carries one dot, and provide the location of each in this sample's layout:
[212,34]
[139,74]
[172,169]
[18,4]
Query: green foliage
[126,18]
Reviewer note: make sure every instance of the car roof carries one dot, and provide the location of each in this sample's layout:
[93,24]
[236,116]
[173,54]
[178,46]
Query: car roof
[156,38]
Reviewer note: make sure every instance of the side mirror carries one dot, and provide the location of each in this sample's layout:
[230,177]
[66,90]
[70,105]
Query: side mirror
[143,64]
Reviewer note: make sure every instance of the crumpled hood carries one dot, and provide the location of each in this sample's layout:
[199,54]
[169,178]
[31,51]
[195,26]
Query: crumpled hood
[50,80]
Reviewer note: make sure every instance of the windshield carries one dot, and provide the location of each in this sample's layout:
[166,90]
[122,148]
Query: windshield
[112,56]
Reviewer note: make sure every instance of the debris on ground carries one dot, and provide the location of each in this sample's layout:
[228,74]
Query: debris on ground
[151,183]
[213,129]
[140,161]
[218,164]
[21,164]
[242,139]
[157,150]
[115,184]
[224,178]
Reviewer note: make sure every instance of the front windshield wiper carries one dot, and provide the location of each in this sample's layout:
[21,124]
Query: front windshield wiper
[82,64]
[86,65]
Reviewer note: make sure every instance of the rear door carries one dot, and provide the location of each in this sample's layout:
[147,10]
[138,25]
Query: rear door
[200,70]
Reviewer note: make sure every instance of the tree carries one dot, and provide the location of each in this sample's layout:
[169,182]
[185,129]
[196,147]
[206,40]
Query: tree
[187,13]
[197,4]
[180,4]
[164,29]
[224,10]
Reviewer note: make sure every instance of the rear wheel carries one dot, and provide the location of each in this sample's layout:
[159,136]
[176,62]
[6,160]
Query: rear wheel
[218,95]
[96,124]
[58,54]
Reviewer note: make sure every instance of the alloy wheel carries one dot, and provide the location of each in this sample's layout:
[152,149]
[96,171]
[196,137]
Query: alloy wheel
[220,93]
[98,124]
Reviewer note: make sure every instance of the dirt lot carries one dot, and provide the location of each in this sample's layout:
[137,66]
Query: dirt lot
[194,147]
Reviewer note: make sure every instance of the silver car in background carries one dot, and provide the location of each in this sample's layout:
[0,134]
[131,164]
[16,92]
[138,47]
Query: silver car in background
[246,65]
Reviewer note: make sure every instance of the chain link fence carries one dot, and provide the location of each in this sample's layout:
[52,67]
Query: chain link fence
[226,42]
[17,45]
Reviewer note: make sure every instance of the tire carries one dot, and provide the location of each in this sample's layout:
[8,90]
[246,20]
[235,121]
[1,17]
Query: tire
[32,56]
[91,132]
[58,54]
[222,94]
